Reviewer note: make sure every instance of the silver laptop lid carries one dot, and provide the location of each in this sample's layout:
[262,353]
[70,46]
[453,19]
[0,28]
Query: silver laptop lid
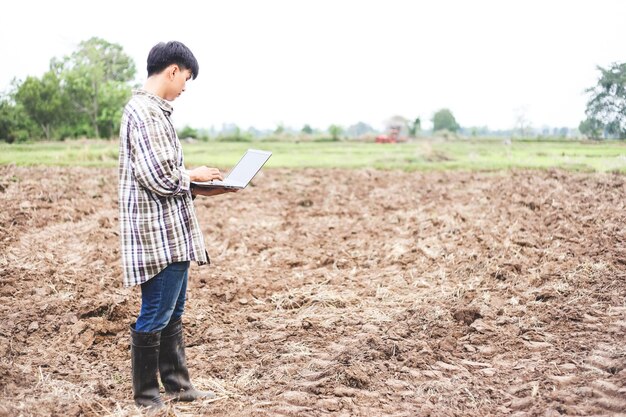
[247,167]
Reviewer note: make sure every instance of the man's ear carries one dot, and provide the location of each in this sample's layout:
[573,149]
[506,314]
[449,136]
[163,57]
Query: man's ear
[172,70]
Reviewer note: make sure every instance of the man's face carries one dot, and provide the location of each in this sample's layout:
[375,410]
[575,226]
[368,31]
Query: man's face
[178,80]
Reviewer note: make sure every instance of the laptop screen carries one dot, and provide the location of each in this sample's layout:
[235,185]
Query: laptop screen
[248,166]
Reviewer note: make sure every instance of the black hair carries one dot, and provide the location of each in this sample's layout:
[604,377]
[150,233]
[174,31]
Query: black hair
[162,55]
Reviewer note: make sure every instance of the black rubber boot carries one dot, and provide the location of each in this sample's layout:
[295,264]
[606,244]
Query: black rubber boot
[173,366]
[144,354]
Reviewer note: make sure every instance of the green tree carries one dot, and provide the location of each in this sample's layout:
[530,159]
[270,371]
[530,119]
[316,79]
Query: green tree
[42,100]
[113,97]
[7,120]
[591,128]
[444,119]
[359,129]
[306,129]
[96,79]
[15,124]
[280,129]
[335,131]
[606,109]
[188,132]
[415,127]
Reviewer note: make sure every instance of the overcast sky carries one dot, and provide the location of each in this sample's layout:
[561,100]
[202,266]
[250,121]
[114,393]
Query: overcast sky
[320,62]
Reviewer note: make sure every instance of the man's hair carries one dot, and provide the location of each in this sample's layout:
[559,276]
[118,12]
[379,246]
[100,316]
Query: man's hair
[162,55]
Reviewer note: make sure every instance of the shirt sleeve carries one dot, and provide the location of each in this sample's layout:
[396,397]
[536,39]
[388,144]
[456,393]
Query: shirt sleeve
[154,159]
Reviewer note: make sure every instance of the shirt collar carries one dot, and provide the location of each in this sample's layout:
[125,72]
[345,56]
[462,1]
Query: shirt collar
[163,104]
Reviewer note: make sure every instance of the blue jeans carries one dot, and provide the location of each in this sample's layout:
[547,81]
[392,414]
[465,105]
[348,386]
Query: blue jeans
[163,298]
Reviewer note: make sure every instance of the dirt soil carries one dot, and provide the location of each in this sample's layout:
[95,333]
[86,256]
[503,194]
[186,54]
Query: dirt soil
[344,293]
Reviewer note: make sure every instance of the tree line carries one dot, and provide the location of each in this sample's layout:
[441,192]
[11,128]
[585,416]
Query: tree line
[83,95]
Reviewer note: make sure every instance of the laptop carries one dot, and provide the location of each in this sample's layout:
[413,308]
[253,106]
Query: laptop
[239,177]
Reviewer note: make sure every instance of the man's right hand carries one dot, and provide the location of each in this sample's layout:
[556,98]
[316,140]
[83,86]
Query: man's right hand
[203,173]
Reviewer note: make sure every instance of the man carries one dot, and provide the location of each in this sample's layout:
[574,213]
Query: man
[160,234]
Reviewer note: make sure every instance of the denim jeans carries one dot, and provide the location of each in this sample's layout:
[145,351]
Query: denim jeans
[163,298]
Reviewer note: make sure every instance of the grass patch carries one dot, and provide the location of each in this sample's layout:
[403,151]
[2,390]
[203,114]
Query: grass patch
[423,154]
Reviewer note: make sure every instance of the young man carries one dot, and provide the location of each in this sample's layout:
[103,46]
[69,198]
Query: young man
[160,234]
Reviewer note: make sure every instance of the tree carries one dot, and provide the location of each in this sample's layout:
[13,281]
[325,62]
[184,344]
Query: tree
[42,100]
[444,119]
[415,127]
[280,129]
[96,79]
[522,122]
[335,131]
[606,109]
[113,97]
[7,120]
[307,130]
[188,132]
[359,129]
[591,128]
[15,124]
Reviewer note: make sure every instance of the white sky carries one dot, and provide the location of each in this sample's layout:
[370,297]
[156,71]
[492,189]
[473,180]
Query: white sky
[321,62]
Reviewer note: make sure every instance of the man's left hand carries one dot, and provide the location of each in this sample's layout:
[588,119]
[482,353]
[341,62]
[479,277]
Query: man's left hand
[210,192]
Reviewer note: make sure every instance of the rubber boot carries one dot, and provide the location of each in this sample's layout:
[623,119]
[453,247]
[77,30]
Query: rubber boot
[173,366]
[144,354]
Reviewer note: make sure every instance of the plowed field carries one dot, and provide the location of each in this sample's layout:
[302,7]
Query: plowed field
[345,293]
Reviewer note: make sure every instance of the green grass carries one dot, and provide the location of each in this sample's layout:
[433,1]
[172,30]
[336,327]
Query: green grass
[424,154]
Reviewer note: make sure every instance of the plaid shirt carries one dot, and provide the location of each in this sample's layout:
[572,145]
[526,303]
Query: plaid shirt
[157,219]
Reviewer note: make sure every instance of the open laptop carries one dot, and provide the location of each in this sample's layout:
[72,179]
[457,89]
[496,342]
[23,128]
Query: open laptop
[239,177]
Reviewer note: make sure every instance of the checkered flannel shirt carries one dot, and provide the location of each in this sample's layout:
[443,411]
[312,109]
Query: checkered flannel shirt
[157,218]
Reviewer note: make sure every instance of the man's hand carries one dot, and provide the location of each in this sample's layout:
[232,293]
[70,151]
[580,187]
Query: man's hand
[210,192]
[203,173]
